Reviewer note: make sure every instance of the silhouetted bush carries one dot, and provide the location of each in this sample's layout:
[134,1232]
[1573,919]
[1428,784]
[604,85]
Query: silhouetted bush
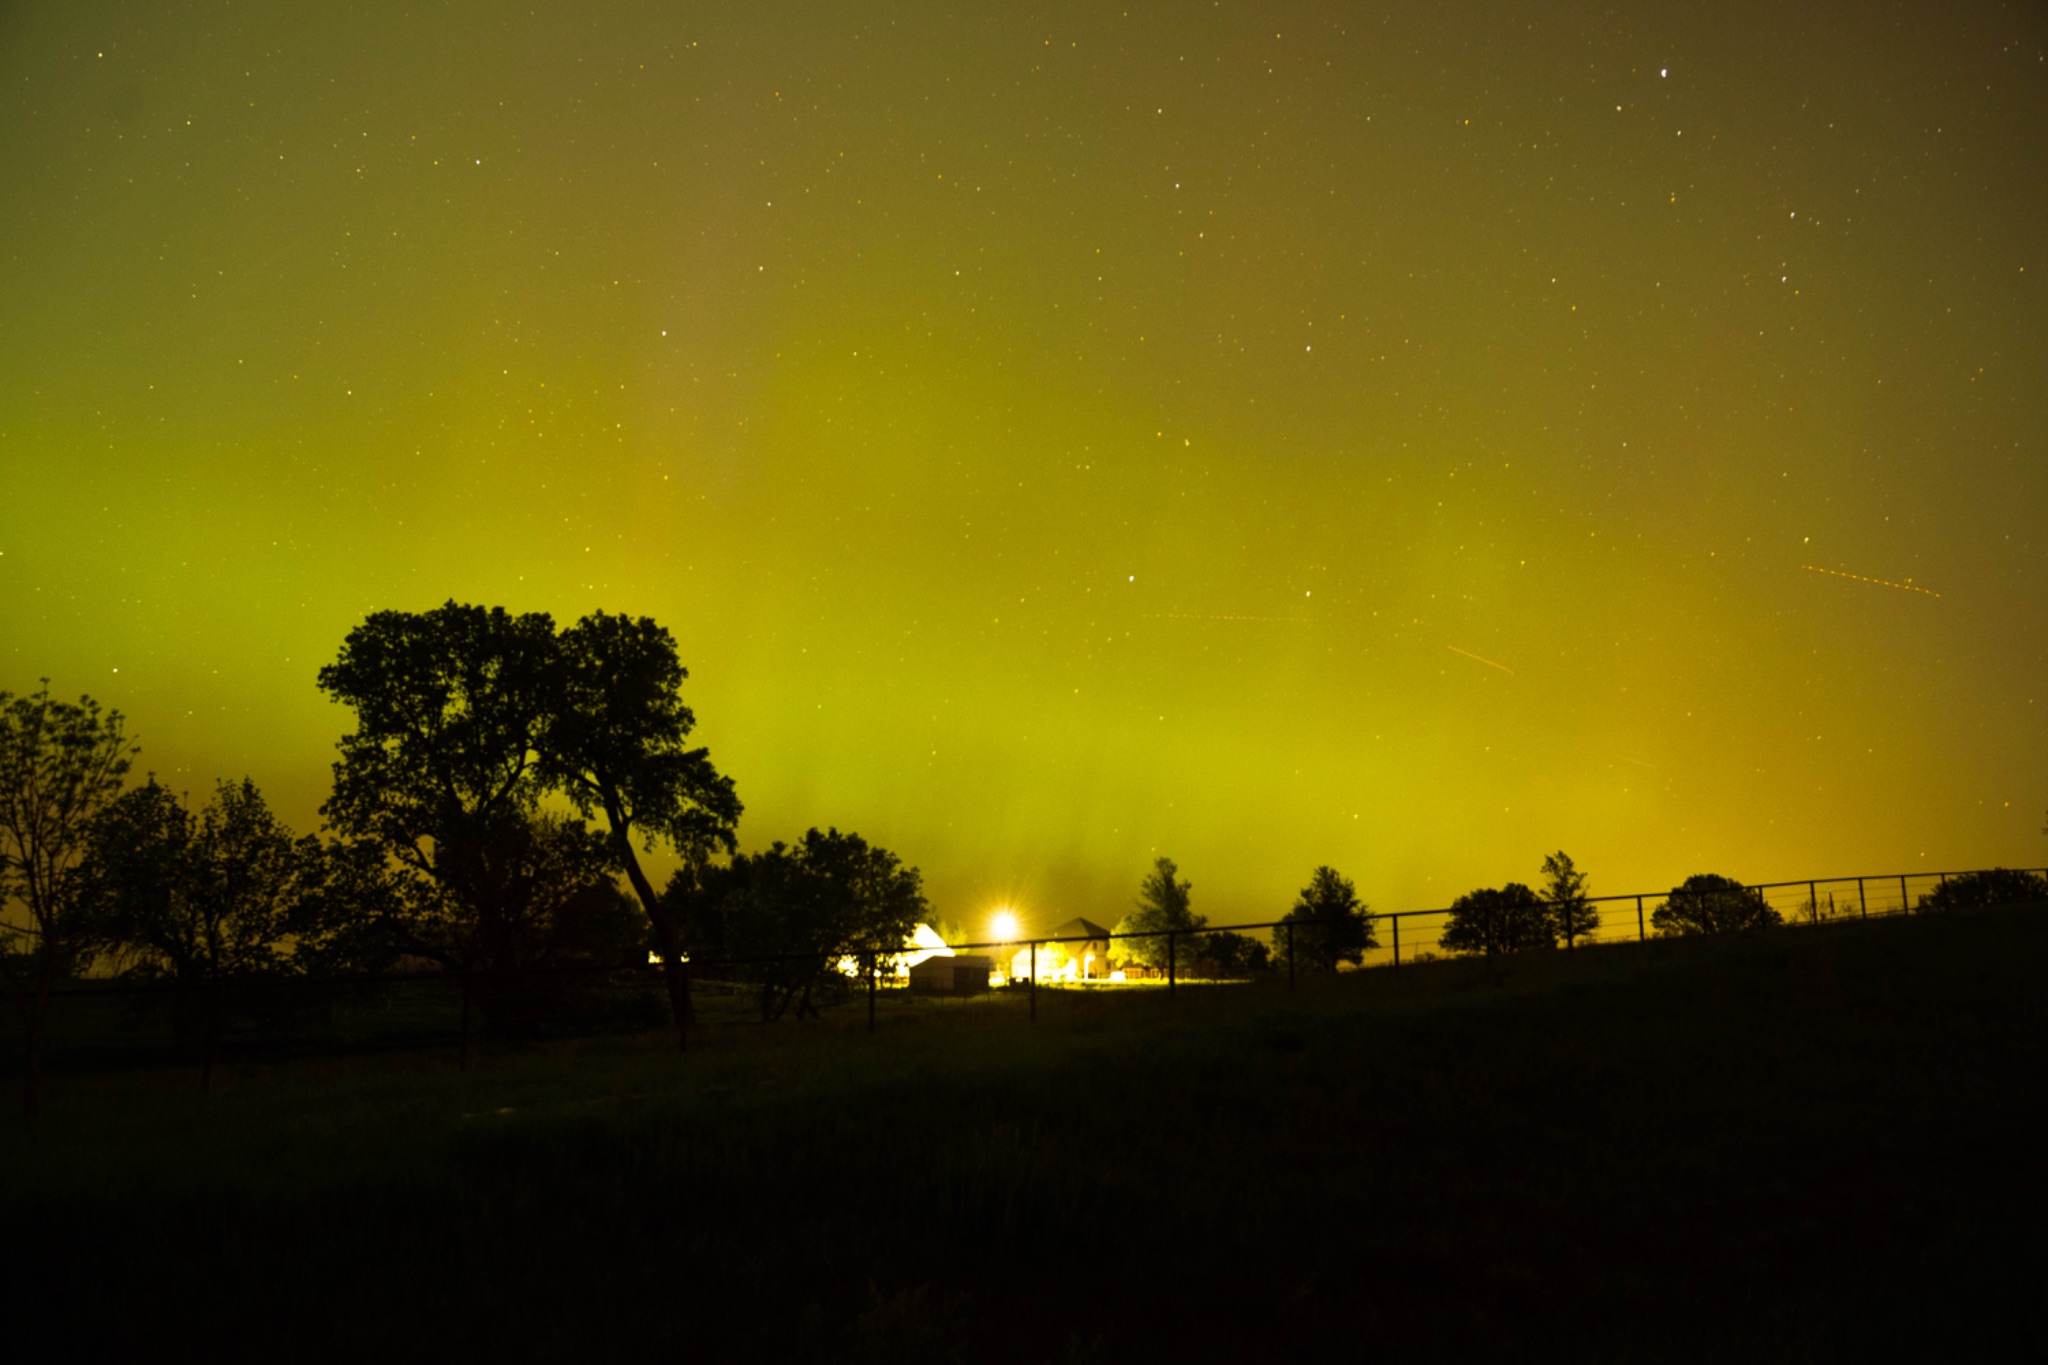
[1508,919]
[1996,886]
[1711,904]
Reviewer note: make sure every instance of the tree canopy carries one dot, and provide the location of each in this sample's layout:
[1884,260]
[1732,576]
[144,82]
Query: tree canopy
[1564,891]
[1330,924]
[1507,919]
[441,769]
[1163,905]
[1711,904]
[198,898]
[61,766]
[1993,886]
[795,913]
[466,717]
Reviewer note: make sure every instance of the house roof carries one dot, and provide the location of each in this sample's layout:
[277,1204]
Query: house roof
[1079,928]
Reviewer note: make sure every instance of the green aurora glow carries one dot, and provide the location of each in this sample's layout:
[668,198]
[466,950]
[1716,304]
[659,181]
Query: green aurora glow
[1058,435]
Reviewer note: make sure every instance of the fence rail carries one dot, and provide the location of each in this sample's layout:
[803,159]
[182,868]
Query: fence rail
[117,1023]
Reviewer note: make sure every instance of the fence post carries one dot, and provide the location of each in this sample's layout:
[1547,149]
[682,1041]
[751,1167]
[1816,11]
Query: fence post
[1640,935]
[1905,905]
[463,1063]
[1172,935]
[1290,955]
[1862,904]
[1396,918]
[871,992]
[1813,901]
[1034,981]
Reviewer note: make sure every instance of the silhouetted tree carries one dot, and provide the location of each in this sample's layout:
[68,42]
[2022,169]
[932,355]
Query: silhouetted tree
[442,767]
[553,905]
[1572,916]
[1509,919]
[830,897]
[1224,952]
[541,865]
[200,900]
[61,765]
[1331,924]
[1993,886]
[1711,904]
[364,913]
[1163,904]
[615,742]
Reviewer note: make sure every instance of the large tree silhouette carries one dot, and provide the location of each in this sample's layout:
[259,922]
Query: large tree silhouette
[441,771]
[1711,904]
[1496,920]
[616,742]
[61,765]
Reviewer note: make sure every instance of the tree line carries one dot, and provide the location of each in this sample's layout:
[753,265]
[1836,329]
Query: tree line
[1328,926]
[502,779]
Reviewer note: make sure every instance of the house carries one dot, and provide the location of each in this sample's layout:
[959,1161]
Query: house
[960,974]
[1082,954]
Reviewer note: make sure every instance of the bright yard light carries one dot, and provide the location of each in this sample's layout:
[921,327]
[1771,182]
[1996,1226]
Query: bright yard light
[1004,925]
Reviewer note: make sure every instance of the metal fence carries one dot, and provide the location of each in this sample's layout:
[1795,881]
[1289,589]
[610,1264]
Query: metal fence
[118,1024]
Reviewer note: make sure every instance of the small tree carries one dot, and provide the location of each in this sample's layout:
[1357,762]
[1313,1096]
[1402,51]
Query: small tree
[1711,904]
[794,914]
[1330,924]
[1564,890]
[1510,919]
[61,766]
[1223,952]
[1994,886]
[200,900]
[1163,905]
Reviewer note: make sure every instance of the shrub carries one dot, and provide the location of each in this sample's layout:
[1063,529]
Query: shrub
[1998,886]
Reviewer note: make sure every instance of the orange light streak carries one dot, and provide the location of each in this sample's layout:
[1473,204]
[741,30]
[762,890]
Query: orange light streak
[1881,582]
[1488,662]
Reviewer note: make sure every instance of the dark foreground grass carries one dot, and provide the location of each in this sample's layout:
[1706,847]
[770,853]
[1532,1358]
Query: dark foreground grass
[1811,1143]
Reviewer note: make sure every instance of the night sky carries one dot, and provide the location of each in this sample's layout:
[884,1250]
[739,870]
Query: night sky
[1408,437]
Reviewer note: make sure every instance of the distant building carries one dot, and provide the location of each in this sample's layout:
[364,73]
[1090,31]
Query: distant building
[960,974]
[1082,954]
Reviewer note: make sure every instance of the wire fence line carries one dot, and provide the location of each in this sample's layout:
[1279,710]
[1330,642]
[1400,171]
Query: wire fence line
[117,1023]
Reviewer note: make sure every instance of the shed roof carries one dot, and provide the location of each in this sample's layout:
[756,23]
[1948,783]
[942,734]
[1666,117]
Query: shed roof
[1078,927]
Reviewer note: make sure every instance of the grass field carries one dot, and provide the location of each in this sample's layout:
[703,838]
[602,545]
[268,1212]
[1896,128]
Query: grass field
[1807,1143]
